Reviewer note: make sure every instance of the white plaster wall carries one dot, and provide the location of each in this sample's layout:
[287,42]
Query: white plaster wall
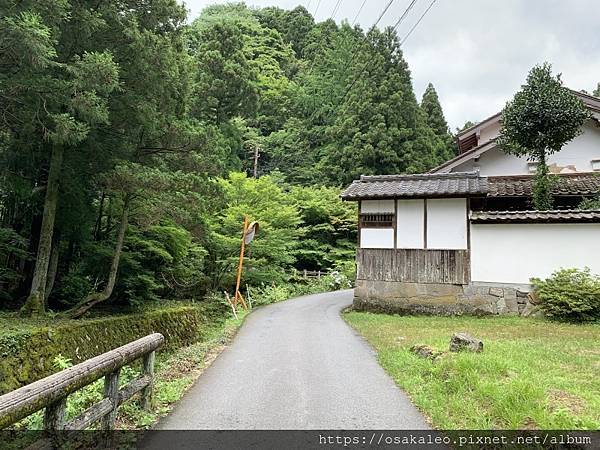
[513,253]
[579,152]
[410,224]
[447,223]
[377,206]
[488,133]
[377,238]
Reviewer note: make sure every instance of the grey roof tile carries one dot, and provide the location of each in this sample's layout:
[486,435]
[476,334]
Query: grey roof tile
[569,215]
[455,184]
[564,184]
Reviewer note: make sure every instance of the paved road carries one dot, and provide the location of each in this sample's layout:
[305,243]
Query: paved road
[296,365]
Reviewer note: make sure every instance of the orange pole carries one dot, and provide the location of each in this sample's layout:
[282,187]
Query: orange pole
[238,295]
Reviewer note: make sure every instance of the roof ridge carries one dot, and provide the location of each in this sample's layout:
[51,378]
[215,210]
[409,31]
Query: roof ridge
[418,176]
[545,211]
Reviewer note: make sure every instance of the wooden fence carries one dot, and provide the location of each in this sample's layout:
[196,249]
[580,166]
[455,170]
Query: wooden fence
[309,273]
[51,392]
[413,265]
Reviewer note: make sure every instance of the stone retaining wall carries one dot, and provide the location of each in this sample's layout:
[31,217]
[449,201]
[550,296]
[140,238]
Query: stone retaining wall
[441,299]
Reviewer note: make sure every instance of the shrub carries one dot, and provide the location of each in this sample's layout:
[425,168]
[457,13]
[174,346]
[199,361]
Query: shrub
[570,294]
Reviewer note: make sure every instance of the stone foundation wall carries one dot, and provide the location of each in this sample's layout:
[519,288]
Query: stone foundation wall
[441,299]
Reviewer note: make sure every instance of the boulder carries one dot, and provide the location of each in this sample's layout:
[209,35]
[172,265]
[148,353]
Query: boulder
[425,351]
[464,341]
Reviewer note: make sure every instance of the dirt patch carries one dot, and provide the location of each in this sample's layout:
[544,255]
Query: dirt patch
[529,424]
[558,399]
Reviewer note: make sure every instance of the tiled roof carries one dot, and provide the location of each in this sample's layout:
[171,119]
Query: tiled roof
[570,215]
[455,184]
[565,184]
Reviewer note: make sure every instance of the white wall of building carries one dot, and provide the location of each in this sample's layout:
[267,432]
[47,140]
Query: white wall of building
[580,152]
[447,223]
[513,253]
[377,238]
[376,206]
[410,224]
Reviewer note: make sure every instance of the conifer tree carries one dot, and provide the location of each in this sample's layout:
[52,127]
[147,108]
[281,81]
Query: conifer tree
[430,104]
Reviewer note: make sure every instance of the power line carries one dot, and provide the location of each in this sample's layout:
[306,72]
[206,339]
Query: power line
[308,4]
[359,11]
[316,9]
[355,53]
[403,40]
[335,8]
[395,27]
[404,14]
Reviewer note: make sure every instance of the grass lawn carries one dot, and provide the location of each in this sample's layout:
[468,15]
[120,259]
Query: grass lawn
[532,374]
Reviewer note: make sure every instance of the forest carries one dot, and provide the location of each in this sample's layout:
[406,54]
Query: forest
[134,140]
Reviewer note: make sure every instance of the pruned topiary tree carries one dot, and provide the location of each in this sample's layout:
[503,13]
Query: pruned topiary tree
[541,118]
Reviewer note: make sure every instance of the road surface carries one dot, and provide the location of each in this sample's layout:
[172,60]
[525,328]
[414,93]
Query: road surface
[296,365]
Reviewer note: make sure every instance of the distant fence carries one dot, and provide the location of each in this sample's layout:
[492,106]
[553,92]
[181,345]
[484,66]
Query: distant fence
[51,393]
[306,274]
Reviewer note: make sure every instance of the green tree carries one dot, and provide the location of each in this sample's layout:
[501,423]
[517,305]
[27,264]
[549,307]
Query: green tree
[430,104]
[538,121]
[596,92]
[380,129]
[272,254]
[328,228]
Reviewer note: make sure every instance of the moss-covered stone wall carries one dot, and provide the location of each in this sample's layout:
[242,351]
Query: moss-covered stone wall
[29,356]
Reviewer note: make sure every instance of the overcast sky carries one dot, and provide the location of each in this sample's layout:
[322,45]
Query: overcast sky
[477,52]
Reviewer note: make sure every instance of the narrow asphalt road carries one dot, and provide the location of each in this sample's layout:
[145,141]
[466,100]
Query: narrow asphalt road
[296,365]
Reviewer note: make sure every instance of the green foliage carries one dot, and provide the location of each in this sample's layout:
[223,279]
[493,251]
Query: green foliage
[570,294]
[272,253]
[273,293]
[590,203]
[532,372]
[158,119]
[542,117]
[430,104]
[12,247]
[596,92]
[33,350]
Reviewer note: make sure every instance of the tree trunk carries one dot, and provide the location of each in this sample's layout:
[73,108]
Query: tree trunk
[98,227]
[35,302]
[52,268]
[108,219]
[98,297]
[542,195]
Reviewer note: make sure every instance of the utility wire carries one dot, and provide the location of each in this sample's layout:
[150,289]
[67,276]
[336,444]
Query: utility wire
[316,9]
[395,27]
[403,40]
[355,53]
[359,11]
[335,8]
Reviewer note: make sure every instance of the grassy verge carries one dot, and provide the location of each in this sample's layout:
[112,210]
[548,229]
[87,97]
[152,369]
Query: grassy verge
[176,372]
[532,374]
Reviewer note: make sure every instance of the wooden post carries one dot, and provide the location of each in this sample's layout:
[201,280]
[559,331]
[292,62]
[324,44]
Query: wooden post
[54,415]
[111,392]
[256,155]
[238,296]
[148,369]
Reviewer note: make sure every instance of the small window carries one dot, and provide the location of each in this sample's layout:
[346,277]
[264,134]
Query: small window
[596,165]
[381,220]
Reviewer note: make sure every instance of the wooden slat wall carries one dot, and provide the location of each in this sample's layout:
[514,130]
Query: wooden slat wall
[413,266]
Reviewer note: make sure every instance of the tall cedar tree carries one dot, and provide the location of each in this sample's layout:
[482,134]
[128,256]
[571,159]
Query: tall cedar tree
[430,104]
[380,128]
[541,118]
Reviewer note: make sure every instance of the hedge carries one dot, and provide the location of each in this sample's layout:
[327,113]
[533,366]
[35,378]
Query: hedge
[29,356]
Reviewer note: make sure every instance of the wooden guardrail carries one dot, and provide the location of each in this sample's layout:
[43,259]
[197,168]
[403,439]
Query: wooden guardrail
[51,392]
